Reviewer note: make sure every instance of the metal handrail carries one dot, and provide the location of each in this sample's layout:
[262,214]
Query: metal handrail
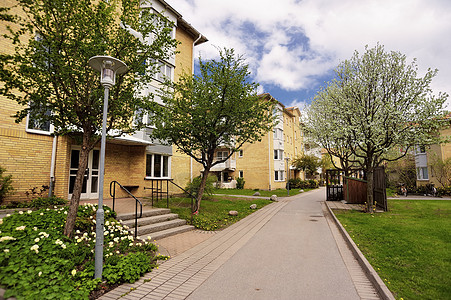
[193,198]
[114,182]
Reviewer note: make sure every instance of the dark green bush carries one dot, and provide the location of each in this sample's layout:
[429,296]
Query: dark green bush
[43,202]
[6,187]
[240,183]
[297,183]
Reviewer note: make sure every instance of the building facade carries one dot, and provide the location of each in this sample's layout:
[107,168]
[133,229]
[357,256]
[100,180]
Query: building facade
[265,164]
[37,159]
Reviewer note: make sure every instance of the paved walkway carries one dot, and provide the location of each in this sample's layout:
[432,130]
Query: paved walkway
[285,250]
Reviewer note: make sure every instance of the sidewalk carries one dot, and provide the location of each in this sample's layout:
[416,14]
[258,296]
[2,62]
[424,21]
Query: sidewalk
[285,250]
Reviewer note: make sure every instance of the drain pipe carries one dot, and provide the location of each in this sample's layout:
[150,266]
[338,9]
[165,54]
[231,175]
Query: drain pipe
[192,70]
[52,166]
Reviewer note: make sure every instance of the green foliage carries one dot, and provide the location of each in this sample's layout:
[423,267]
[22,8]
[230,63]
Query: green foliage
[43,202]
[410,247]
[402,172]
[218,107]
[376,103]
[240,183]
[307,163]
[193,187]
[6,187]
[297,183]
[36,191]
[441,169]
[38,262]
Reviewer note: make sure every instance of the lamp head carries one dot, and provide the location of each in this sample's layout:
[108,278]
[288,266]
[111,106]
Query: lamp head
[108,67]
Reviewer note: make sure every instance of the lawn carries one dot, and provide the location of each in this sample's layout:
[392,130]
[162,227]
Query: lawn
[213,213]
[409,246]
[247,192]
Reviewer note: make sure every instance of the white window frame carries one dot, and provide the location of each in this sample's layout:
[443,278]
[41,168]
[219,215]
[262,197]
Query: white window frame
[241,174]
[240,153]
[152,169]
[38,131]
[278,154]
[278,175]
[421,173]
[220,155]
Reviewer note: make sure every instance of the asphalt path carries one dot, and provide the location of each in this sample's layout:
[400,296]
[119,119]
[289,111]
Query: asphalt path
[294,256]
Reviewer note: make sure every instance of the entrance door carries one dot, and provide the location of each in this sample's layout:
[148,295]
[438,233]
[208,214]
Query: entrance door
[90,188]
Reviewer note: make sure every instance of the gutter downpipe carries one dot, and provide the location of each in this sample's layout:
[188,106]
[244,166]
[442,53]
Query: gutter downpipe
[52,166]
[192,69]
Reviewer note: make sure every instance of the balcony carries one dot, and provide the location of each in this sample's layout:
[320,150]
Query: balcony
[229,164]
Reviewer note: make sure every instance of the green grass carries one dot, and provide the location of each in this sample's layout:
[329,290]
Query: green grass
[409,246]
[213,213]
[247,192]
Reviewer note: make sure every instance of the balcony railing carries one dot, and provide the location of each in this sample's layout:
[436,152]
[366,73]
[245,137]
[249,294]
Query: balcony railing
[229,164]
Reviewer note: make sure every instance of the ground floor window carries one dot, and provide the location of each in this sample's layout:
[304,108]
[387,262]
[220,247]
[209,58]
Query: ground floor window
[422,173]
[241,174]
[157,165]
[278,175]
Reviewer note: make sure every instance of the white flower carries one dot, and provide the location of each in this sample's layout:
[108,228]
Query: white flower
[116,239]
[107,223]
[35,228]
[78,231]
[21,227]
[20,212]
[29,211]
[58,242]
[106,232]
[131,244]
[35,248]
[65,212]
[44,234]
[6,250]
[40,273]
[8,215]
[117,252]
[37,240]
[41,214]
[63,246]
[79,240]
[73,272]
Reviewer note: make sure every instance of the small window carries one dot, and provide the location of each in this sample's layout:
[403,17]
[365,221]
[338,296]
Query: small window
[278,175]
[422,173]
[36,125]
[276,154]
[241,174]
[240,153]
[157,166]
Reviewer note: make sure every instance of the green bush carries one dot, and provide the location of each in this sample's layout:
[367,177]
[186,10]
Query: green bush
[240,183]
[43,202]
[6,187]
[297,183]
[193,187]
[38,262]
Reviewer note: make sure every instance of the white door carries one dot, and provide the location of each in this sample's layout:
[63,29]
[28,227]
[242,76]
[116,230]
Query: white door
[90,189]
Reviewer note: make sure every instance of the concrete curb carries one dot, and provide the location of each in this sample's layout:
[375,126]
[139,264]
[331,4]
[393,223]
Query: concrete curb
[380,286]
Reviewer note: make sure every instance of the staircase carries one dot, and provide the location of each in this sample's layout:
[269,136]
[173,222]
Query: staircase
[156,223]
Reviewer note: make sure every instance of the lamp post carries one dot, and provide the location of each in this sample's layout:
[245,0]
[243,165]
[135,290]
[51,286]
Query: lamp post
[288,176]
[108,67]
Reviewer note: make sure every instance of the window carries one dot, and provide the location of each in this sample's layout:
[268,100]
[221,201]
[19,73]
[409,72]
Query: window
[36,125]
[241,174]
[240,153]
[163,72]
[422,173]
[157,165]
[278,154]
[278,175]
[220,155]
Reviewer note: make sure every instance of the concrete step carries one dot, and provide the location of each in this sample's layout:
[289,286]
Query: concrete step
[150,220]
[146,213]
[148,229]
[168,232]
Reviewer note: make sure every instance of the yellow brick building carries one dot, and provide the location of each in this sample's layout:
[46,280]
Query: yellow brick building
[264,164]
[36,158]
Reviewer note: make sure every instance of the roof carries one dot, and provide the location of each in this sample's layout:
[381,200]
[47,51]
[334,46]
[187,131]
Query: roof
[182,23]
[289,110]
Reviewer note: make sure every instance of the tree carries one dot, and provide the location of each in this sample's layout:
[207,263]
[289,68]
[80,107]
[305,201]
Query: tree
[441,169]
[375,103]
[49,74]
[215,108]
[402,172]
[307,163]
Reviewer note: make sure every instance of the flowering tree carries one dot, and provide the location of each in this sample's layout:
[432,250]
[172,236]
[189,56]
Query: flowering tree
[376,102]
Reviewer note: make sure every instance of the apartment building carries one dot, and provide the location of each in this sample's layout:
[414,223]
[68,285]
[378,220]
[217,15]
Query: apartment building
[36,158]
[265,164]
[426,156]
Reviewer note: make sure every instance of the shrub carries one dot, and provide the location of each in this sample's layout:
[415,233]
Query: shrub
[193,187]
[240,183]
[43,202]
[6,187]
[297,183]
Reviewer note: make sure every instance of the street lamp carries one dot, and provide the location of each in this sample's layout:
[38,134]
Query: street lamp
[108,67]
[288,176]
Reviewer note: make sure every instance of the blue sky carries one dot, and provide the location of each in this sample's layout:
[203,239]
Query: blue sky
[292,46]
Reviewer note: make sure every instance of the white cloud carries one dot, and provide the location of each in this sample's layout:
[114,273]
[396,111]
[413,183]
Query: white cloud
[291,44]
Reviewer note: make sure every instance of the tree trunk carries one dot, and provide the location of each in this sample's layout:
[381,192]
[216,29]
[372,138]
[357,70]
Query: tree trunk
[369,191]
[75,199]
[200,193]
